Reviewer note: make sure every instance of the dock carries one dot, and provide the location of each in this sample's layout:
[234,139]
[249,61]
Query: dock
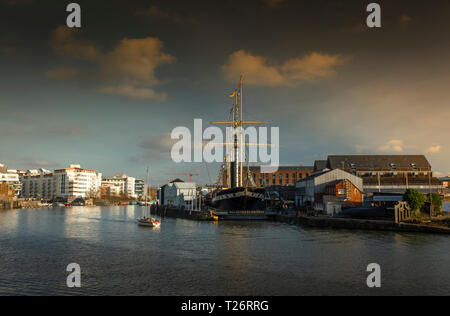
[164,211]
[360,224]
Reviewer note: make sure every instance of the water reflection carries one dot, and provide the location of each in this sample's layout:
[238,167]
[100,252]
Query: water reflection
[194,258]
[446,206]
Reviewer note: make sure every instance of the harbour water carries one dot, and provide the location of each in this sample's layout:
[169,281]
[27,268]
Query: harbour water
[446,206]
[183,257]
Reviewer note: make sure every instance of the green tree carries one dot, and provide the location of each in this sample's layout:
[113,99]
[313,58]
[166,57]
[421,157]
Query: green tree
[437,201]
[415,200]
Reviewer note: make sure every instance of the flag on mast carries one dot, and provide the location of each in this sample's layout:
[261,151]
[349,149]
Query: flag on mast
[233,94]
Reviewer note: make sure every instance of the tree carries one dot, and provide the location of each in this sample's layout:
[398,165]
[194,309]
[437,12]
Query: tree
[415,199]
[437,201]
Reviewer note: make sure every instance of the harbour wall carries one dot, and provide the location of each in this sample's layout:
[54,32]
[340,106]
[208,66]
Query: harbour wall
[163,211]
[360,224]
[17,204]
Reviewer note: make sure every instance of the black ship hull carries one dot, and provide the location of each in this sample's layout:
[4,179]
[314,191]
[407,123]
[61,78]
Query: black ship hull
[240,204]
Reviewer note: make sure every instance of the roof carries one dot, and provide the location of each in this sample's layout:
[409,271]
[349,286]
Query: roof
[285,168]
[320,165]
[339,174]
[335,182]
[425,181]
[74,169]
[182,185]
[379,162]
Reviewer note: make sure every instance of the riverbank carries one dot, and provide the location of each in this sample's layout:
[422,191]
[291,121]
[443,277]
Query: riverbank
[19,204]
[360,224]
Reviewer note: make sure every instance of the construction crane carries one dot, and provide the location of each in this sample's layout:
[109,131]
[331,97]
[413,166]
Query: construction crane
[185,174]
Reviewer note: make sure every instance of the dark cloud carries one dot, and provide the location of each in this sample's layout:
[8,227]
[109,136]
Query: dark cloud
[29,163]
[16,2]
[158,13]
[128,70]
[158,147]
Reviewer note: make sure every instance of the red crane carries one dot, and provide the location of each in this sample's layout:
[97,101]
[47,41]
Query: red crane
[185,174]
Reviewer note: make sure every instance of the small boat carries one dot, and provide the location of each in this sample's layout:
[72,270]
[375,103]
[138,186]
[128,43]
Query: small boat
[148,222]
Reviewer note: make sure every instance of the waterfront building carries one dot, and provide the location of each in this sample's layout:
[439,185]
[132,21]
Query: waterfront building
[74,182]
[130,186]
[139,188]
[316,190]
[108,190]
[124,184]
[7,191]
[445,182]
[177,194]
[38,183]
[284,176]
[386,173]
[11,179]
[114,186]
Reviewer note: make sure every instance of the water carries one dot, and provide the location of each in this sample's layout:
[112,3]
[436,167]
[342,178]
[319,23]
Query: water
[192,258]
[446,206]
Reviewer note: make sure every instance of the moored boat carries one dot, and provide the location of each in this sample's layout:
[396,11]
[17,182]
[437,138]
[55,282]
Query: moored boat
[148,222]
[238,200]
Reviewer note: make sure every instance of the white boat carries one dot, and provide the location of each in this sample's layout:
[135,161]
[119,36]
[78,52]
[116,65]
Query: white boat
[148,222]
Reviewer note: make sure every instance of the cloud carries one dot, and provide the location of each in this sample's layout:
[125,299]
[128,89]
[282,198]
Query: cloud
[355,28]
[405,19]
[62,73]
[135,93]
[259,70]
[434,149]
[66,44]
[313,67]
[159,146]
[256,69]
[68,130]
[8,44]
[135,60]
[13,133]
[127,70]
[8,50]
[165,15]
[16,2]
[395,145]
[439,174]
[38,163]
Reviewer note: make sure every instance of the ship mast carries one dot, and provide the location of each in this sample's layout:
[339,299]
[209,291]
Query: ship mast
[235,165]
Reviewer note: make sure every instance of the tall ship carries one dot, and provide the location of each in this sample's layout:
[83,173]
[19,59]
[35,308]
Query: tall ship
[238,200]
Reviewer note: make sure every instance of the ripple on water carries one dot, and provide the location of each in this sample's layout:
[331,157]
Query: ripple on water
[189,258]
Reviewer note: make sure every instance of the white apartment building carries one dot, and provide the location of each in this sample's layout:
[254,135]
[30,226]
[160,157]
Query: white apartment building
[130,186]
[77,182]
[121,184]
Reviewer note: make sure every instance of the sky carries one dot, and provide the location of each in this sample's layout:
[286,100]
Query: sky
[108,95]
